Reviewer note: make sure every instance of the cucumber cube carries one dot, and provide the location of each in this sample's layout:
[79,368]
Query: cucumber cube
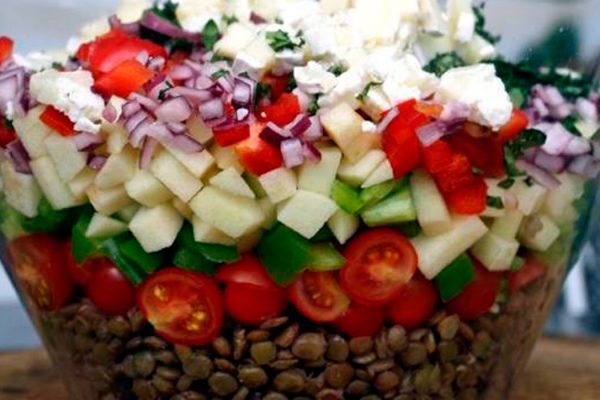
[432,212]
[546,233]
[324,257]
[494,252]
[396,209]
[346,197]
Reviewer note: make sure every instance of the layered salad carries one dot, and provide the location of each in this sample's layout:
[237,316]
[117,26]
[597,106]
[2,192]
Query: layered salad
[290,199]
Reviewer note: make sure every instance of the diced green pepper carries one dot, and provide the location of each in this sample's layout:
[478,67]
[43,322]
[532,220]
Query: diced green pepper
[410,229]
[455,277]
[148,262]
[284,253]
[49,219]
[324,257]
[82,246]
[192,261]
[346,197]
[111,249]
[376,193]
[324,235]
[217,253]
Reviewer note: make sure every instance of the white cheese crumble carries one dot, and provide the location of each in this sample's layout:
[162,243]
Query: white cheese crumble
[478,87]
[314,78]
[71,93]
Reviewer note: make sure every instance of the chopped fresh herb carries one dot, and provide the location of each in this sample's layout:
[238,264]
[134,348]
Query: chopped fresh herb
[362,96]
[314,107]
[517,264]
[480,28]
[219,57]
[529,181]
[570,124]
[56,65]
[444,62]
[163,93]
[509,162]
[337,69]
[263,91]
[495,202]
[219,74]
[280,40]
[174,45]
[527,139]
[517,97]
[506,183]
[230,19]
[166,10]
[210,35]
[8,123]
[292,84]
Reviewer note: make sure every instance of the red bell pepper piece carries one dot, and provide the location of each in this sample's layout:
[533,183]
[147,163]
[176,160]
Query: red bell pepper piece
[278,85]
[58,121]
[7,134]
[282,111]
[257,155]
[470,199]
[485,153]
[6,48]
[517,124]
[231,135]
[128,77]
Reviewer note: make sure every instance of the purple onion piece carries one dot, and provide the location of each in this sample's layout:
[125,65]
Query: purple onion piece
[311,152]
[136,137]
[181,72]
[146,102]
[299,125]
[147,152]
[130,108]
[135,120]
[542,177]
[430,133]
[550,163]
[387,120]
[157,24]
[19,157]
[274,134]
[194,96]
[110,113]
[242,94]
[292,152]
[86,141]
[186,144]
[314,132]
[96,162]
[176,109]
[212,109]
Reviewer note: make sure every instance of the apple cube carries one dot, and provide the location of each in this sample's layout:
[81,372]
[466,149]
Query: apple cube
[55,190]
[21,190]
[198,164]
[32,132]
[343,225]
[306,212]
[234,215]
[559,199]
[102,226]
[198,129]
[531,198]
[232,182]
[279,184]
[357,173]
[319,177]
[108,201]
[495,252]
[183,208]
[67,159]
[432,212]
[80,184]
[119,168]
[382,173]
[235,39]
[344,126]
[156,228]
[175,176]
[543,237]
[206,233]
[147,190]
[117,137]
[126,214]
[507,226]
[226,157]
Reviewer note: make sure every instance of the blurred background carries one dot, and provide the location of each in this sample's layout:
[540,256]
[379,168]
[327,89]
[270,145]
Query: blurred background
[546,32]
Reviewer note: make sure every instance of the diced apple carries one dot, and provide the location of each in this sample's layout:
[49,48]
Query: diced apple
[234,215]
[495,191]
[80,184]
[382,173]
[226,157]
[270,212]
[156,228]
[55,190]
[319,177]
[205,233]
[256,58]
[306,212]
[437,252]
[67,159]
[126,214]
[249,241]
[343,225]
[32,132]
[507,226]
[232,182]
[279,184]
[344,126]
[357,173]
[147,190]
[108,201]
[531,198]
[538,232]
[117,137]
[196,163]
[21,190]
[569,216]
[198,129]
[175,176]
[237,37]
[183,208]
[376,103]
[119,168]
[102,226]
[432,212]
[495,252]
[559,199]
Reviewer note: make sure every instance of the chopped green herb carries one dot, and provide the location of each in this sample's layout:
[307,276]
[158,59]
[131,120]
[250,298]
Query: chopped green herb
[480,28]
[280,40]
[219,57]
[495,202]
[263,90]
[570,124]
[56,65]
[509,162]
[506,183]
[529,138]
[190,260]
[362,96]
[444,62]
[230,19]
[455,277]
[314,107]
[210,35]
[517,264]
[8,123]
[166,10]
[337,69]
[284,253]
[517,97]
[219,74]
[163,93]
[292,84]
[529,181]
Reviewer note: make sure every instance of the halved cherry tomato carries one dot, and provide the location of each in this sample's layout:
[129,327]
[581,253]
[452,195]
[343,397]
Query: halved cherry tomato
[57,121]
[278,85]
[282,111]
[415,304]
[479,296]
[359,321]
[318,296]
[517,124]
[253,305]
[532,270]
[7,134]
[248,270]
[39,265]
[6,48]
[231,135]
[108,289]
[81,273]
[485,153]
[184,307]
[257,155]
[124,79]
[379,263]
[470,199]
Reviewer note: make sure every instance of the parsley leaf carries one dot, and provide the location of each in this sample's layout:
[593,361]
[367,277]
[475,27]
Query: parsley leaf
[219,74]
[495,202]
[444,62]
[509,161]
[166,10]
[163,93]
[210,35]
[8,123]
[280,40]
[219,57]
[336,69]
[362,96]
[314,107]
[263,90]
[570,124]
[292,84]
[517,264]
[230,19]
[506,183]
[527,139]
[480,26]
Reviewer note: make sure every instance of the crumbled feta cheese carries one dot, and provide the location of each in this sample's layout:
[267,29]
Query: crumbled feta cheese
[461,20]
[320,36]
[291,12]
[71,93]
[194,15]
[465,27]
[334,6]
[286,61]
[235,39]
[256,59]
[478,87]
[369,127]
[347,87]
[431,16]
[314,78]
[407,80]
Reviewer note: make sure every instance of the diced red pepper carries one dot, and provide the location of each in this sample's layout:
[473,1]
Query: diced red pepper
[232,134]
[257,155]
[6,48]
[517,124]
[437,156]
[455,175]
[531,271]
[128,77]
[57,121]
[470,199]
[278,85]
[282,111]
[7,134]
[485,153]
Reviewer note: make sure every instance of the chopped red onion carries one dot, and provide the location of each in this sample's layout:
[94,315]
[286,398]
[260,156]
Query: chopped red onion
[299,125]
[165,27]
[176,109]
[9,88]
[454,111]
[212,109]
[177,128]
[135,120]
[241,114]
[110,113]
[557,138]
[274,134]
[86,141]
[586,109]
[156,64]
[550,163]
[225,84]
[181,72]
[584,166]
[292,151]
[430,133]
[387,120]
[315,131]
[540,107]
[130,108]
[194,96]
[549,95]
[137,136]
[257,19]
[243,92]
[96,162]
[542,177]
[196,67]
[147,153]
[577,146]
[146,102]
[186,143]
[529,154]
[143,57]
[157,80]
[203,82]
[561,111]
[19,157]
[311,152]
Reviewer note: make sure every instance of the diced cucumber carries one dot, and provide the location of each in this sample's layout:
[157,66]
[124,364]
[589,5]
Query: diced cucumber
[283,252]
[324,257]
[343,225]
[495,252]
[374,194]
[318,177]
[452,280]
[357,173]
[432,212]
[559,199]
[544,236]
[531,198]
[396,209]
[382,173]
[508,226]
[346,197]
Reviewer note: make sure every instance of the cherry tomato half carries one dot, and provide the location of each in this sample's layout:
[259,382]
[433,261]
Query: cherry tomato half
[40,268]
[479,296]
[359,321]
[247,270]
[531,271]
[81,273]
[380,262]
[318,296]
[415,304]
[108,289]
[184,307]
[253,305]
